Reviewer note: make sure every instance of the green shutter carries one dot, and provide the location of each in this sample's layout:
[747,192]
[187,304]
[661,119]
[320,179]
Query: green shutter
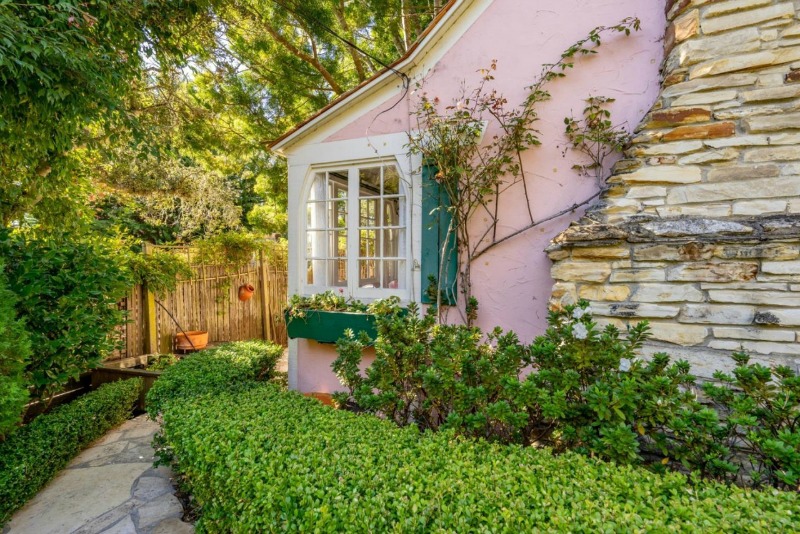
[435,223]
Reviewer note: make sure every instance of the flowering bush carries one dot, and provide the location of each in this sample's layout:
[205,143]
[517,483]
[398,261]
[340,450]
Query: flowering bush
[436,376]
[590,392]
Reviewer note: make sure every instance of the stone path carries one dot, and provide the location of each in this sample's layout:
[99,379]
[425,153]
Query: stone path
[111,487]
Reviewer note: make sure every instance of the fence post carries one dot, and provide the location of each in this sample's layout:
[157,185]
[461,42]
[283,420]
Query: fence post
[266,324]
[149,313]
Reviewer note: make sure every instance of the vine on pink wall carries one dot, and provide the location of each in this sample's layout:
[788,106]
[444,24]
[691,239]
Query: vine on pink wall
[474,173]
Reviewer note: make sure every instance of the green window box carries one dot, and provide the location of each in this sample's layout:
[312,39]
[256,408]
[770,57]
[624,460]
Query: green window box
[329,326]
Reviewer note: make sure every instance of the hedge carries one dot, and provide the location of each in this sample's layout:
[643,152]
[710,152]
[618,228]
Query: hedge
[263,460]
[33,455]
[225,367]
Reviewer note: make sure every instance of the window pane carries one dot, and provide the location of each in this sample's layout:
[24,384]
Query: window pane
[368,210]
[312,220]
[394,274]
[338,244]
[369,182]
[315,244]
[368,275]
[369,244]
[317,187]
[391,212]
[337,272]
[337,184]
[391,180]
[338,214]
[316,271]
[393,246]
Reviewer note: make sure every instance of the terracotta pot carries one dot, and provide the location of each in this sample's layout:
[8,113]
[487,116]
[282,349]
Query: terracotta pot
[246,292]
[198,338]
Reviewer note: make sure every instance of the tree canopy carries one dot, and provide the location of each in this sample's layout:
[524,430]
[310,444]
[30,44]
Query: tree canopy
[155,114]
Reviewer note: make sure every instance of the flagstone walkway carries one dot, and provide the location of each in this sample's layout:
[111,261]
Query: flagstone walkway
[111,487]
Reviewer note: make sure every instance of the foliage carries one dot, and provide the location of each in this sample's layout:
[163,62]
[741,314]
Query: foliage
[39,450]
[587,392]
[269,217]
[302,54]
[474,173]
[276,253]
[761,409]
[262,460]
[155,114]
[170,191]
[67,288]
[159,270]
[325,301]
[590,393]
[436,376]
[15,350]
[595,136]
[235,249]
[65,66]
[160,362]
[114,215]
[225,367]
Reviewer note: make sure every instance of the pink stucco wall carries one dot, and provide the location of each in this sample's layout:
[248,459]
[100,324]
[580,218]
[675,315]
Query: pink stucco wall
[512,283]
[314,363]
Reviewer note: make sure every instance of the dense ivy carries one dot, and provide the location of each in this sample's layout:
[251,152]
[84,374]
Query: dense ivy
[35,453]
[261,460]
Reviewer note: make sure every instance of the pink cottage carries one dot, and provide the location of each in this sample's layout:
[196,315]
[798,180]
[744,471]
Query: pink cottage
[353,157]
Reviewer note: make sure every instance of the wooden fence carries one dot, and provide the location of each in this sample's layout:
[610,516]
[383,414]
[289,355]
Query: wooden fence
[208,301]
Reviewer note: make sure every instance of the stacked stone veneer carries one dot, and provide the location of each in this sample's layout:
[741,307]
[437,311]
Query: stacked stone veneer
[699,231]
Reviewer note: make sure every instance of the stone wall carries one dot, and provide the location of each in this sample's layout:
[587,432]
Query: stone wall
[699,230]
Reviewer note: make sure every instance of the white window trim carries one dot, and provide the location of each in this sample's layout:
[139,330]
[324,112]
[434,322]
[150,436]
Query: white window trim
[384,149]
[352,289]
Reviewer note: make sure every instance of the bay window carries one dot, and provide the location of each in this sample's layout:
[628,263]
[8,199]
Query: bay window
[356,231]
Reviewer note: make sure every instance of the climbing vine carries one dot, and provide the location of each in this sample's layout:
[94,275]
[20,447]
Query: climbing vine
[475,172]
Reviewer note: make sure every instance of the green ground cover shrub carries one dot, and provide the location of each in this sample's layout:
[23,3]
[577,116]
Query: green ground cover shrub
[14,354]
[30,457]
[261,460]
[229,366]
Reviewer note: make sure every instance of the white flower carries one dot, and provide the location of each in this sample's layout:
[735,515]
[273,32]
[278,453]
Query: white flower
[578,313]
[624,365]
[579,331]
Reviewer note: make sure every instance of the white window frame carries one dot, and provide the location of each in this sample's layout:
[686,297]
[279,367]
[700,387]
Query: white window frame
[304,159]
[352,288]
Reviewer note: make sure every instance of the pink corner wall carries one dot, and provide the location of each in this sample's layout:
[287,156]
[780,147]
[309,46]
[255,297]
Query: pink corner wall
[512,282]
[314,365]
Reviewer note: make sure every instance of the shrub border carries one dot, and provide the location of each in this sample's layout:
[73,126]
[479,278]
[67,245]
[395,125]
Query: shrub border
[35,453]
